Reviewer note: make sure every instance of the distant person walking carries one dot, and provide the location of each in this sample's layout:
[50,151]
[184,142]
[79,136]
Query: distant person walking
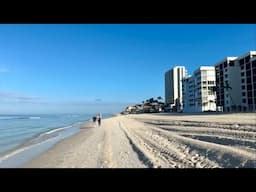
[94,119]
[99,119]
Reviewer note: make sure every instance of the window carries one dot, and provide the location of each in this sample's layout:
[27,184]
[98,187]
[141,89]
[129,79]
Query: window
[249,94]
[226,75]
[247,59]
[211,90]
[248,80]
[243,93]
[250,101]
[248,73]
[244,100]
[231,63]
[210,82]
[241,61]
[254,64]
[225,64]
[227,102]
[249,87]
[204,82]
[203,73]
[243,87]
[254,71]
[242,67]
[248,66]
[243,80]
[242,74]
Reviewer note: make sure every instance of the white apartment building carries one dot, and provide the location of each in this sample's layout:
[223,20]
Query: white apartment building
[188,94]
[236,83]
[199,90]
[173,87]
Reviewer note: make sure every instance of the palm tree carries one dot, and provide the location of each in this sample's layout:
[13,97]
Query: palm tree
[160,98]
[228,87]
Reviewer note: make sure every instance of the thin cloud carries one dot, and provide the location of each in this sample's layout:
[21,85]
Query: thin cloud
[17,96]
[3,70]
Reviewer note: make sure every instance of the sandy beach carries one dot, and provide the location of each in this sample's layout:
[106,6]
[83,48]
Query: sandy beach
[158,140]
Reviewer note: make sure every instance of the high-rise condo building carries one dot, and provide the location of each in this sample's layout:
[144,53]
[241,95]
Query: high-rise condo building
[236,83]
[173,87]
[199,90]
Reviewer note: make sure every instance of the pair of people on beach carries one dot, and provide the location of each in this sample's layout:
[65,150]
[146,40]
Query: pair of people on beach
[97,118]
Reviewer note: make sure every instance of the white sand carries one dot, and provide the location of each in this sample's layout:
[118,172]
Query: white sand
[158,140]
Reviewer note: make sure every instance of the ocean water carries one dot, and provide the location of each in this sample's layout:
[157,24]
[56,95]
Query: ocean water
[25,136]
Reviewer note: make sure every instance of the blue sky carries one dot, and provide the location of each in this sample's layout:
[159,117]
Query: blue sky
[103,67]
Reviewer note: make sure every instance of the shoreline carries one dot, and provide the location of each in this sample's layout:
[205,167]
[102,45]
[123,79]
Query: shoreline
[84,130]
[157,140]
[36,145]
[40,143]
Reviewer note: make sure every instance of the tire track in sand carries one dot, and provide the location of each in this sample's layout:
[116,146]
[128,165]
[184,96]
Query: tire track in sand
[173,154]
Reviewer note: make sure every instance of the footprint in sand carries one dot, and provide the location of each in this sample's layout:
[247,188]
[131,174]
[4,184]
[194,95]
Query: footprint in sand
[195,159]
